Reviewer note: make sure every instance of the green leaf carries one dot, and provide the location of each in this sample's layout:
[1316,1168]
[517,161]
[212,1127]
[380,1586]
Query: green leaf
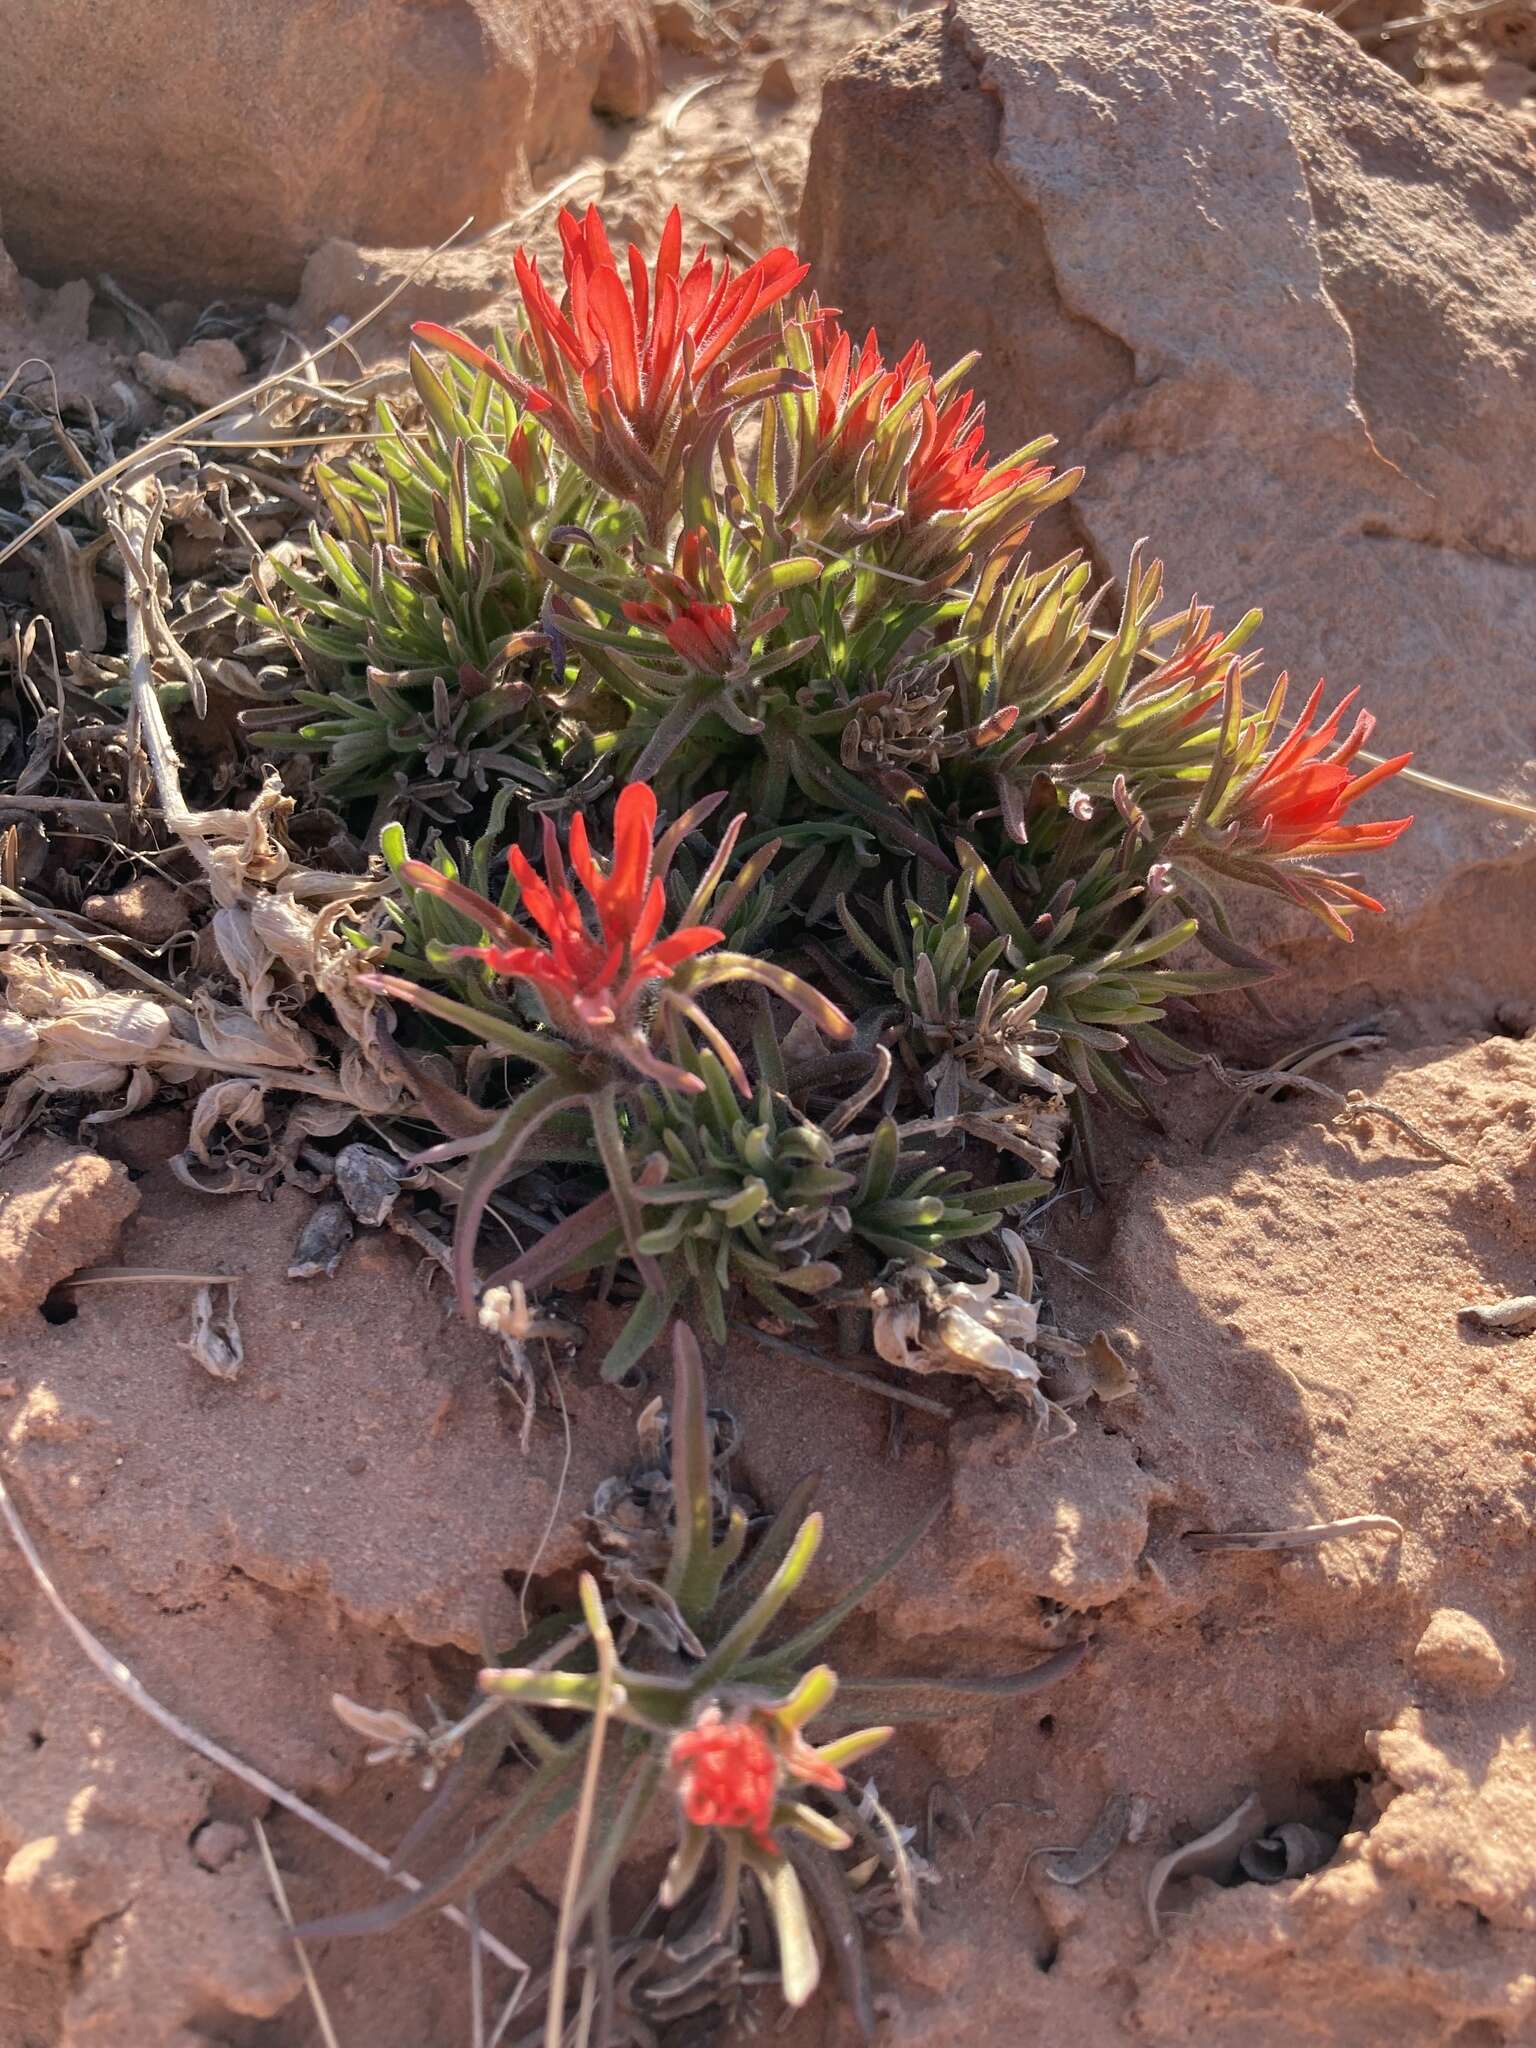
[734,1645]
[688,1574]
[546,1798]
[768,1553]
[788,1657]
[646,1323]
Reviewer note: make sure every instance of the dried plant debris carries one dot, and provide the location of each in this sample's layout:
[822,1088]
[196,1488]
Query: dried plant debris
[1123,1819]
[1306,1537]
[1214,1853]
[322,1242]
[215,1341]
[1291,1850]
[1515,1317]
[368,1180]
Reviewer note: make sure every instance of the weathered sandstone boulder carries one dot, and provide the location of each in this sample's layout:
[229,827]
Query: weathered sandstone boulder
[1284,308]
[219,146]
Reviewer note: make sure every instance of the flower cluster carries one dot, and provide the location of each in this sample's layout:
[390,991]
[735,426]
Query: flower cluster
[629,374]
[681,541]
[729,1774]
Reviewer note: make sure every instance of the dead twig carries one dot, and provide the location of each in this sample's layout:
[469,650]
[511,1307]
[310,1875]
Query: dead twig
[1305,1538]
[1352,1103]
[274,1878]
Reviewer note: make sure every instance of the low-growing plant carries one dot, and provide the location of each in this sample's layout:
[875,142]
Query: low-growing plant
[688,1699]
[674,541]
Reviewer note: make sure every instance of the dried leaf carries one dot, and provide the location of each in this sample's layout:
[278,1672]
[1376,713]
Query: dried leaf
[368,1181]
[265,1041]
[1515,1317]
[116,1027]
[1112,1378]
[1292,1850]
[1216,1850]
[141,1091]
[652,1608]
[1076,1866]
[18,1042]
[215,1341]
[322,1243]
[925,1324]
[238,1105]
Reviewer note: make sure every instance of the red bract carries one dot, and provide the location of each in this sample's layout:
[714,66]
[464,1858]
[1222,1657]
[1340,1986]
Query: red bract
[727,1776]
[622,364]
[840,376]
[808,1764]
[703,634]
[697,628]
[1297,799]
[949,472]
[591,983]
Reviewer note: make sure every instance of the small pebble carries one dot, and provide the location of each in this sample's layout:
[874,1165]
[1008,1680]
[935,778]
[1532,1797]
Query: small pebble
[1458,1652]
[217,1842]
[777,84]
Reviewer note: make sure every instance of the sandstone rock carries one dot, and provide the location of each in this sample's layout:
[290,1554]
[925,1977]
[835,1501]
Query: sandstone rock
[277,126]
[202,374]
[777,84]
[682,27]
[60,1209]
[56,1888]
[55,326]
[342,282]
[1283,307]
[1063,1523]
[1459,1653]
[218,1843]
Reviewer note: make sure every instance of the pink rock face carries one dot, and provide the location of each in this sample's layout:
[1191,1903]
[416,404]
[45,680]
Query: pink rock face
[272,125]
[1283,308]
[61,1208]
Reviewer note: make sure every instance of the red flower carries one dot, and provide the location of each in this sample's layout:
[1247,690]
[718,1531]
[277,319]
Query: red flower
[703,634]
[618,362]
[591,983]
[728,1776]
[700,630]
[839,375]
[1297,799]
[949,472]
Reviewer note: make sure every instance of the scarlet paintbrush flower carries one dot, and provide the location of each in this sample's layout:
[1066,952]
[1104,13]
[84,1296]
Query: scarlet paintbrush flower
[692,622]
[592,983]
[842,377]
[1296,800]
[949,471]
[703,634]
[727,1776]
[887,453]
[622,365]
